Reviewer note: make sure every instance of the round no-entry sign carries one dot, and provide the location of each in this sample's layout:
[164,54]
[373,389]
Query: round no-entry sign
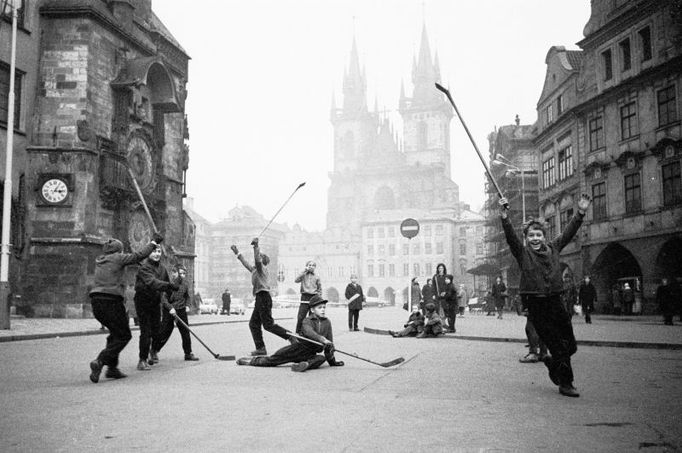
[409,228]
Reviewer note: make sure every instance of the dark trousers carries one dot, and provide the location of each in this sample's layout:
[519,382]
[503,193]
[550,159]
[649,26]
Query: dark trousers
[262,316]
[303,309]
[353,317]
[112,314]
[534,343]
[450,309]
[411,330]
[167,322]
[292,353]
[588,318]
[149,315]
[553,325]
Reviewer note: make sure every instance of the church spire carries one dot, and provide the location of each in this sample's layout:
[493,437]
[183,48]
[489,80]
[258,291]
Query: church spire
[425,72]
[354,84]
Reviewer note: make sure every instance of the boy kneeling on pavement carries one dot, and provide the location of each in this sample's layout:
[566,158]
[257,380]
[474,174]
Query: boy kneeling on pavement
[304,354]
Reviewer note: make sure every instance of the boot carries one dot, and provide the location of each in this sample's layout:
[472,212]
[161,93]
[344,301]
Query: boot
[143,366]
[552,370]
[153,357]
[569,390]
[95,370]
[191,357]
[300,367]
[244,360]
[115,373]
[335,362]
[259,352]
[531,357]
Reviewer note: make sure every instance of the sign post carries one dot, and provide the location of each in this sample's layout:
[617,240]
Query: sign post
[409,228]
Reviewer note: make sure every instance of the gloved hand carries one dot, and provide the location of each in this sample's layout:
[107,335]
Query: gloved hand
[156,237]
[328,348]
[254,242]
[172,311]
[234,249]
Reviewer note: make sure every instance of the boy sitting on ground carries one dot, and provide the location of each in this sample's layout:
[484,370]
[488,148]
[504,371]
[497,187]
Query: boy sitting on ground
[411,328]
[433,324]
[304,354]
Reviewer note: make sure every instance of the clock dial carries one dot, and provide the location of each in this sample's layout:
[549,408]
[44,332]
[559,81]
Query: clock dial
[139,231]
[54,191]
[140,161]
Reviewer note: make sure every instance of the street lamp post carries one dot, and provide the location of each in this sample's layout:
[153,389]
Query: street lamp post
[13,5]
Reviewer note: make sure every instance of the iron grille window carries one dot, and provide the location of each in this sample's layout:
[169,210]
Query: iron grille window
[633,193]
[608,64]
[599,201]
[4,95]
[596,126]
[564,218]
[645,42]
[667,111]
[672,185]
[565,163]
[628,120]
[625,55]
[548,177]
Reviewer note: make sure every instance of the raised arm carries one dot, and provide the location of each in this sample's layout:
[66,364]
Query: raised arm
[241,259]
[515,244]
[574,225]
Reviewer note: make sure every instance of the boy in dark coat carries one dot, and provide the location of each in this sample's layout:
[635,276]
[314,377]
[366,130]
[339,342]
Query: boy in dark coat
[433,324]
[355,299]
[414,323]
[587,294]
[262,310]
[151,280]
[428,294]
[540,289]
[499,294]
[177,304]
[304,354]
[108,305]
[450,306]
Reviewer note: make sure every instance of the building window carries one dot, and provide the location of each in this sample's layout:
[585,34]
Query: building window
[416,269]
[645,43]
[628,120]
[596,126]
[416,249]
[599,201]
[391,232]
[667,111]
[559,105]
[382,271]
[427,248]
[406,249]
[340,271]
[370,233]
[548,177]
[479,248]
[439,229]
[370,250]
[633,193]
[4,95]
[439,248]
[391,270]
[427,230]
[406,269]
[608,64]
[382,249]
[564,218]
[380,232]
[391,249]
[370,270]
[462,248]
[672,187]
[428,268]
[625,61]
[551,227]
[565,163]
[463,231]
[549,113]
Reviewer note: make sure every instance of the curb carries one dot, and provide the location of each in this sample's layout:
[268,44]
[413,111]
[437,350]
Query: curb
[82,333]
[596,343]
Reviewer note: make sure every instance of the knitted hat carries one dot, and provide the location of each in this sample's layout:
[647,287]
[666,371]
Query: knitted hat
[180,267]
[316,300]
[430,306]
[112,246]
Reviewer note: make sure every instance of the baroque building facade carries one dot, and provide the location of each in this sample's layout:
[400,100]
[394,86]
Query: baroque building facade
[379,180]
[103,91]
[609,126]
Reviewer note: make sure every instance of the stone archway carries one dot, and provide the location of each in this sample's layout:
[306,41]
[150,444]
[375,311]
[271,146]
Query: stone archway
[372,292]
[669,259]
[389,296]
[613,263]
[332,295]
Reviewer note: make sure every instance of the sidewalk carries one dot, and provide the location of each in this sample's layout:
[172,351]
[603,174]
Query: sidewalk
[606,330]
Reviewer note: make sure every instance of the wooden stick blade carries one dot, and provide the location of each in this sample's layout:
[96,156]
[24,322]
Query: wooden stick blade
[393,362]
[225,357]
[442,88]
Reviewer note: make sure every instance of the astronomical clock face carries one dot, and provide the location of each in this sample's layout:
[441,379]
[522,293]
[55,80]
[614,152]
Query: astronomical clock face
[54,191]
[139,231]
[139,154]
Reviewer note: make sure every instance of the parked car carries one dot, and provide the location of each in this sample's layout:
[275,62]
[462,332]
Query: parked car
[286,301]
[237,306]
[374,302]
[208,306]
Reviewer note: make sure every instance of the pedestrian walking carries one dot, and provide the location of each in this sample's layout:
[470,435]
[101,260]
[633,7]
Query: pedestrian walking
[499,294]
[310,286]
[316,327]
[587,294]
[355,299]
[108,305]
[628,299]
[439,284]
[616,300]
[177,304]
[462,299]
[668,295]
[541,286]
[262,310]
[151,281]
[227,301]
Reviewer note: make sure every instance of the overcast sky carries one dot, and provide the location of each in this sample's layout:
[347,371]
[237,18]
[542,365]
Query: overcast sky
[263,72]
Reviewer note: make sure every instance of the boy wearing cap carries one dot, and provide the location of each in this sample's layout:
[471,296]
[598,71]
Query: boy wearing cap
[108,305]
[177,303]
[304,354]
[310,285]
[433,324]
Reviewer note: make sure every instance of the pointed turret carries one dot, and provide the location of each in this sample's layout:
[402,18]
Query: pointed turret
[425,73]
[354,85]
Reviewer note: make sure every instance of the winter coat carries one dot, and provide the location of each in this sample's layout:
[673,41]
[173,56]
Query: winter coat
[667,297]
[451,295]
[260,279]
[352,290]
[434,320]
[541,272]
[438,285]
[428,293]
[151,280]
[415,319]
[499,294]
[317,329]
[178,299]
[310,283]
[109,268]
[587,294]
[416,294]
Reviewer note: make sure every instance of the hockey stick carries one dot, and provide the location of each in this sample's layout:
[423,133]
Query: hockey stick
[440,87]
[384,364]
[280,209]
[217,356]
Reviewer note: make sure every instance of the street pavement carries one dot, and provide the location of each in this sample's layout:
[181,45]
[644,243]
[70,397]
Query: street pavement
[451,394]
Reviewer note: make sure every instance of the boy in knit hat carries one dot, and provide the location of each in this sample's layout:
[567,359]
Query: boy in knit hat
[433,324]
[108,305]
[304,354]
